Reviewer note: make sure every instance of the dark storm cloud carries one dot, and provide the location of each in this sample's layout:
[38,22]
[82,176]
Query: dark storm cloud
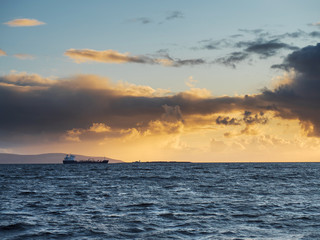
[79,102]
[305,61]
[280,66]
[301,97]
[298,99]
[36,106]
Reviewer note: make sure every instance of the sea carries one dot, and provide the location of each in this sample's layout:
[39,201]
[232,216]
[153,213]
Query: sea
[160,201]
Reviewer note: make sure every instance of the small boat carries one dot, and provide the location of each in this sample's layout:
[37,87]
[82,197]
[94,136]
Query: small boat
[71,159]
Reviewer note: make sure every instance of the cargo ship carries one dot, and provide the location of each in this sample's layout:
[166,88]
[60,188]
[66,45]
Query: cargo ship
[71,159]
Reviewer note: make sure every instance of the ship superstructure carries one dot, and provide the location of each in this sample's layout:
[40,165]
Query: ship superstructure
[71,159]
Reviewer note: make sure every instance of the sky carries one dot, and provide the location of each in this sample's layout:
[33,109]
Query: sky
[200,81]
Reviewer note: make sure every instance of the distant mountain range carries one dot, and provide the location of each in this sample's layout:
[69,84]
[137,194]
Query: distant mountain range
[6,158]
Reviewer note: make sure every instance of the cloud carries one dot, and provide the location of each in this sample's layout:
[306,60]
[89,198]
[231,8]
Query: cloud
[262,48]
[174,15]
[264,36]
[96,130]
[171,122]
[111,56]
[227,121]
[187,62]
[99,127]
[210,44]
[217,146]
[252,31]
[73,135]
[297,34]
[107,56]
[300,96]
[315,34]
[247,118]
[2,53]
[265,45]
[191,82]
[172,113]
[24,56]
[36,106]
[232,59]
[129,89]
[317,24]
[20,80]
[164,127]
[264,41]
[194,92]
[265,48]
[258,118]
[169,17]
[249,130]
[142,20]
[24,22]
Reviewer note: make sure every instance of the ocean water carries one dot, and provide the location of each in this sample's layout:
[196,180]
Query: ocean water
[160,201]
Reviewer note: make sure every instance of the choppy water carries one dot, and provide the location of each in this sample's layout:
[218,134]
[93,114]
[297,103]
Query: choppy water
[160,201]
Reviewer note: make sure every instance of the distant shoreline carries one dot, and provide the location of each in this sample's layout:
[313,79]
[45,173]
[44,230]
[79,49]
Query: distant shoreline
[46,158]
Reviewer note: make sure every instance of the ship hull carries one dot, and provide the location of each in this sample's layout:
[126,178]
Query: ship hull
[85,162]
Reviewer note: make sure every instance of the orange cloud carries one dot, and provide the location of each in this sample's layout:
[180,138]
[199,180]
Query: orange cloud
[76,134]
[99,127]
[24,22]
[164,127]
[90,114]
[107,56]
[129,89]
[23,82]
[196,92]
[23,56]
[112,56]
[70,105]
[2,53]
[73,135]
